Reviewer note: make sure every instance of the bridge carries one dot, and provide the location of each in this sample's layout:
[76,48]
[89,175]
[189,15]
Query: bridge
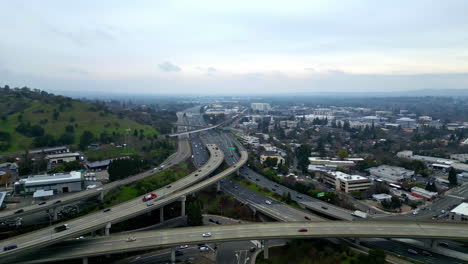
[147,240]
[127,210]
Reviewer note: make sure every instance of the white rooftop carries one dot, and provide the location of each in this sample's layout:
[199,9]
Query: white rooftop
[346,177]
[68,154]
[461,209]
[42,193]
[73,176]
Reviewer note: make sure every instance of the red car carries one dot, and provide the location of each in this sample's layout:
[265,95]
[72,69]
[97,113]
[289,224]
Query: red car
[302,230]
[149,197]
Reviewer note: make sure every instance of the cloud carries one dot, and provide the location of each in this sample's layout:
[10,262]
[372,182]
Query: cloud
[77,71]
[208,70]
[169,67]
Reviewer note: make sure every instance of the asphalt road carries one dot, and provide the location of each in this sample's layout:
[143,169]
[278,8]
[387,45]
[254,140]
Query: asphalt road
[223,233]
[124,211]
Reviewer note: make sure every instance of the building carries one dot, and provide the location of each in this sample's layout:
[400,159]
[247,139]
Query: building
[459,213]
[338,163]
[406,123]
[2,199]
[422,193]
[249,140]
[98,165]
[49,151]
[460,157]
[56,159]
[271,154]
[345,182]
[391,174]
[263,107]
[288,124]
[59,183]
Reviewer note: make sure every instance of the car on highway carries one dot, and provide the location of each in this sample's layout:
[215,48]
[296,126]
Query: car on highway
[179,252]
[183,246]
[207,234]
[196,175]
[149,204]
[169,186]
[9,247]
[268,202]
[203,248]
[61,228]
[257,179]
[299,197]
[211,220]
[106,210]
[58,201]
[131,239]
[412,251]
[80,238]
[149,196]
[19,211]
[302,230]
[252,249]
[276,185]
[99,189]
[273,189]
[443,244]
[306,217]
[42,203]
[324,207]
[426,253]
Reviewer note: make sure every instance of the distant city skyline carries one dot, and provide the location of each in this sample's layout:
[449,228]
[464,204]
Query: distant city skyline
[212,47]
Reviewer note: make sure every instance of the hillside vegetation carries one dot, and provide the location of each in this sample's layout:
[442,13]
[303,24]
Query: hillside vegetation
[33,119]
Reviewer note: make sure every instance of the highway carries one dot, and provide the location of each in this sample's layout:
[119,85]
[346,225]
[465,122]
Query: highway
[118,213]
[193,235]
[183,153]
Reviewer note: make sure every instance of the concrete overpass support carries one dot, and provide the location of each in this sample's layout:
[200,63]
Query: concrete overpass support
[182,200]
[55,213]
[173,256]
[85,260]
[107,228]
[430,243]
[218,186]
[101,196]
[357,240]
[161,214]
[265,249]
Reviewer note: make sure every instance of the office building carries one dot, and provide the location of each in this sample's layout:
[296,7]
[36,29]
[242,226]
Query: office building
[345,182]
[459,213]
[263,107]
[59,183]
[391,174]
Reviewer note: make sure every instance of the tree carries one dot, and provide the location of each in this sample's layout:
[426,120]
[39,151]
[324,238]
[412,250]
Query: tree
[452,177]
[430,186]
[342,154]
[194,214]
[376,256]
[86,138]
[270,162]
[66,139]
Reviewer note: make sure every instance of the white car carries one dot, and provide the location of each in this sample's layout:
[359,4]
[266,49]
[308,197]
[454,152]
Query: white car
[208,234]
[131,239]
[268,202]
[183,246]
[203,248]
[79,238]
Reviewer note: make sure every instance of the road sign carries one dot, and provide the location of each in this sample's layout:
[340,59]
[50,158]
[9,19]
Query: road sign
[320,194]
[232,147]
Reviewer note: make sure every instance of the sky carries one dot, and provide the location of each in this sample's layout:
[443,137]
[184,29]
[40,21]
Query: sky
[234,47]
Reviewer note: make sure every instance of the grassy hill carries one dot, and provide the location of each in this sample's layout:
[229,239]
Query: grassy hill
[57,116]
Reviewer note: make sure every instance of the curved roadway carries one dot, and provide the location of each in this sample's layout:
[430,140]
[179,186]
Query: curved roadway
[118,213]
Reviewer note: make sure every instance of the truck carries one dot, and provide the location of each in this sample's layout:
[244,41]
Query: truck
[149,197]
[61,228]
[360,214]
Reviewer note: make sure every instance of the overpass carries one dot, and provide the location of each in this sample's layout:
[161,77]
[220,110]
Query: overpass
[91,222]
[193,131]
[264,231]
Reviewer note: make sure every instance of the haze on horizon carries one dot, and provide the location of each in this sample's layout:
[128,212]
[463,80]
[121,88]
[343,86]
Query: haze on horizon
[214,47]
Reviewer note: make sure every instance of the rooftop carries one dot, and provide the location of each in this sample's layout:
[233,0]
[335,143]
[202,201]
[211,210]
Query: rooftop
[346,177]
[63,155]
[73,176]
[461,209]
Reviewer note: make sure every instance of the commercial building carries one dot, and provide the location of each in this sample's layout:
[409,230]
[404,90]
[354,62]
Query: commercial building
[406,123]
[345,182]
[391,174]
[49,151]
[260,107]
[459,213]
[381,197]
[56,159]
[338,163]
[59,183]
[249,140]
[422,193]
[2,199]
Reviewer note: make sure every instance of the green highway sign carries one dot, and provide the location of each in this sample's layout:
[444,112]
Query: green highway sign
[320,194]
[232,147]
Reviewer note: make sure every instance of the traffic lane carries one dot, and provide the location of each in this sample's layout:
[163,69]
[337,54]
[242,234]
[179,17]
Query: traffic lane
[187,253]
[101,218]
[401,249]
[193,235]
[234,252]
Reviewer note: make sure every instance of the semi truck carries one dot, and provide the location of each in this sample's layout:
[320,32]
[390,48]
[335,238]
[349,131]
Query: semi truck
[149,197]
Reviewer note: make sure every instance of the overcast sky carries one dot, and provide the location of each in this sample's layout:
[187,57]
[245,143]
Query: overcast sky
[234,47]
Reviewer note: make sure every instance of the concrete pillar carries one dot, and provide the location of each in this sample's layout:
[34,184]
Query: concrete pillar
[357,240]
[161,214]
[173,255]
[93,233]
[85,260]
[430,243]
[265,249]
[218,186]
[101,196]
[108,227]
[182,200]
[55,212]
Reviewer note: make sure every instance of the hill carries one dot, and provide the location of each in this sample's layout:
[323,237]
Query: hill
[34,118]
